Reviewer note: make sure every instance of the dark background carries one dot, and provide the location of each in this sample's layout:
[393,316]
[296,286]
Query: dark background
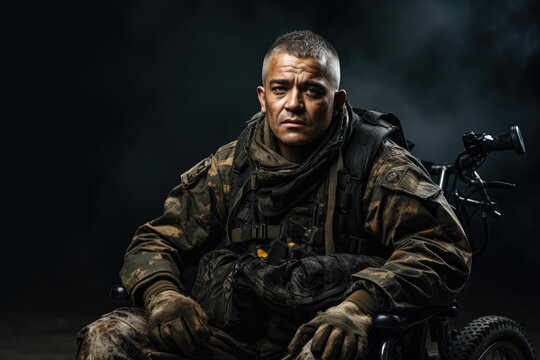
[104,105]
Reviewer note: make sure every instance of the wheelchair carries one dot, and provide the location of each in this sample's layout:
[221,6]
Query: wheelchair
[403,335]
[485,338]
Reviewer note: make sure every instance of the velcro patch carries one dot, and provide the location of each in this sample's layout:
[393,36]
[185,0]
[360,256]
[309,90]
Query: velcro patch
[409,180]
[392,177]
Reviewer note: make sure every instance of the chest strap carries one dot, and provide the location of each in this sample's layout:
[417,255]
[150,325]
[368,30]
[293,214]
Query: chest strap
[249,232]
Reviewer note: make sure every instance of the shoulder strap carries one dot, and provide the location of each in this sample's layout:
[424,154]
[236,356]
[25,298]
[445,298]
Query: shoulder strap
[369,131]
[367,135]
[375,117]
[240,166]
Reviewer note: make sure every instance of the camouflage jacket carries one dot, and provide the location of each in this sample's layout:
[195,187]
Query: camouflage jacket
[403,209]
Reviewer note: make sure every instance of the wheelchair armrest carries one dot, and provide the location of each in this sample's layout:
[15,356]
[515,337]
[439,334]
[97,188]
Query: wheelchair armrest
[118,292]
[403,320]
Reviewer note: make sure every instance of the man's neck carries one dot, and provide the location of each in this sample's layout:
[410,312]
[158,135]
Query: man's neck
[296,154]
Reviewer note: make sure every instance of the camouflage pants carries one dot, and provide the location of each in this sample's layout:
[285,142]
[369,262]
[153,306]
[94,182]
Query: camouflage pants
[122,334]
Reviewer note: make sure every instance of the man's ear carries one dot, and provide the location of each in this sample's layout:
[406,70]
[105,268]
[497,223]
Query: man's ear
[260,95]
[339,99]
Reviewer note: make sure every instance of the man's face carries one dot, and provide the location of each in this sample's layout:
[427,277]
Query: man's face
[298,99]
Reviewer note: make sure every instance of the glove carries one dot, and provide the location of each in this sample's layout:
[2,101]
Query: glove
[338,333]
[177,322]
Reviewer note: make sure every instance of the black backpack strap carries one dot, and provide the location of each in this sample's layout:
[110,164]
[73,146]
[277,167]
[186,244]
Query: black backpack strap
[370,130]
[375,118]
[240,167]
[366,138]
[241,176]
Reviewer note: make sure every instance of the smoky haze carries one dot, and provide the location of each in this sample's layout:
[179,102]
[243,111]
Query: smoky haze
[104,105]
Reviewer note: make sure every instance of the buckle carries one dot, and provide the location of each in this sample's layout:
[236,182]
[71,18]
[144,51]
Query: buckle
[262,231]
[312,236]
[259,232]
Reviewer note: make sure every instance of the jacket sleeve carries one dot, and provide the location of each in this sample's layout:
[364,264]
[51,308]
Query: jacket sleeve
[405,210]
[193,222]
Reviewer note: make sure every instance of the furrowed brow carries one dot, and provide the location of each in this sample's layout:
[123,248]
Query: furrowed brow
[314,84]
[280,82]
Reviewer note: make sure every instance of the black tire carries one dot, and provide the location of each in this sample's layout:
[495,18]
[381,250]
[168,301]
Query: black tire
[487,337]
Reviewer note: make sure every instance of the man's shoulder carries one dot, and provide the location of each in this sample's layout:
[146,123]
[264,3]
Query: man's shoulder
[390,151]
[390,154]
[397,169]
[226,152]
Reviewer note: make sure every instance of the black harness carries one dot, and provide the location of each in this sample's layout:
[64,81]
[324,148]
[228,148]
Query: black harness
[302,230]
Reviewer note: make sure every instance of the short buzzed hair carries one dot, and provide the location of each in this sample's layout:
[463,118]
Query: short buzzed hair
[305,43]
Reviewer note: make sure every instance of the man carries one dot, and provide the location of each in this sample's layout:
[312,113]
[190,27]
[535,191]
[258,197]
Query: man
[327,223]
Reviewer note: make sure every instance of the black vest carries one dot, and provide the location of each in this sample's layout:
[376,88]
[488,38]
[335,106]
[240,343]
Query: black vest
[301,231]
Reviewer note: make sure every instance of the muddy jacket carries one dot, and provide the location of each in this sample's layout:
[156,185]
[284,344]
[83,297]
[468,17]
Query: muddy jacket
[429,258]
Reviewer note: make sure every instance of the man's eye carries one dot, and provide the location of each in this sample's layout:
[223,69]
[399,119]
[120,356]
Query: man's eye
[314,91]
[279,89]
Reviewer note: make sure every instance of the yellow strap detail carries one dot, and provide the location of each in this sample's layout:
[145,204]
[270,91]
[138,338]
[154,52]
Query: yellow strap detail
[261,253]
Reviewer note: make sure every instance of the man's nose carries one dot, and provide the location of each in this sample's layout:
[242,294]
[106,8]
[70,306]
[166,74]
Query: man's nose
[295,102]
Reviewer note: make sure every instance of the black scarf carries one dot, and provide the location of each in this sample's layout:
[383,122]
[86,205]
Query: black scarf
[282,184]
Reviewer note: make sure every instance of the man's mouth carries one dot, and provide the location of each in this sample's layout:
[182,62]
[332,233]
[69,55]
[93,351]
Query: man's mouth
[294,122]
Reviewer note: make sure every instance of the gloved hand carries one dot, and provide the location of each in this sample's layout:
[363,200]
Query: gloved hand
[177,322]
[338,333]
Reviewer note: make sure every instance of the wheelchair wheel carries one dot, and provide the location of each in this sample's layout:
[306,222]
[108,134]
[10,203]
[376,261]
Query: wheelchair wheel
[489,338]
